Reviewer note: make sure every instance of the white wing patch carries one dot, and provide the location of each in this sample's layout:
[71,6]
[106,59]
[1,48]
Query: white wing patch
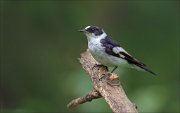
[117,50]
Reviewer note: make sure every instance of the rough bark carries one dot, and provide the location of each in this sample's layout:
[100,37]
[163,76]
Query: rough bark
[113,95]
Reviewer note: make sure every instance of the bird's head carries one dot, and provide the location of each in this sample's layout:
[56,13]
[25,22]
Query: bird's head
[93,32]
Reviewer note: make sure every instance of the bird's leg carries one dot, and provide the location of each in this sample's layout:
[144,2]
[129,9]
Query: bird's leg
[100,65]
[114,69]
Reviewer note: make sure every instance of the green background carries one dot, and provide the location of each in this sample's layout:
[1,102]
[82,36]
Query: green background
[40,44]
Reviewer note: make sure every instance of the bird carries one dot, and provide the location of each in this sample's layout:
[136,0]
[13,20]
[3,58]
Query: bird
[108,52]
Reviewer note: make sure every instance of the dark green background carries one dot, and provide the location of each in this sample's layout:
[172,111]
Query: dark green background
[40,44]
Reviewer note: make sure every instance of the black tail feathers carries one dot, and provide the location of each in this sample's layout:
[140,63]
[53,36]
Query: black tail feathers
[146,69]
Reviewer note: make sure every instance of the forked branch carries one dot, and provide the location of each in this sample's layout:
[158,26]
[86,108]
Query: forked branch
[113,95]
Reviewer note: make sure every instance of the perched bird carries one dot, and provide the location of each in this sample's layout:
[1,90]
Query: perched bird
[108,52]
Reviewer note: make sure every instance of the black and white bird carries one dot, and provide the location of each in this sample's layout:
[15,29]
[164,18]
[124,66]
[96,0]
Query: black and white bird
[108,52]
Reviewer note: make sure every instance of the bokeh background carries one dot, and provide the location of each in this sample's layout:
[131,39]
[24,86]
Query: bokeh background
[40,44]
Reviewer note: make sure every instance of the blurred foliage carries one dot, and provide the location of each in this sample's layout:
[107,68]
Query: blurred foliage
[40,44]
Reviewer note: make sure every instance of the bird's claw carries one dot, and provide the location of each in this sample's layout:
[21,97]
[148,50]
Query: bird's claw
[103,76]
[100,65]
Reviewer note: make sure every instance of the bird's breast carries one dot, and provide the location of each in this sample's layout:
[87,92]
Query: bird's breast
[98,53]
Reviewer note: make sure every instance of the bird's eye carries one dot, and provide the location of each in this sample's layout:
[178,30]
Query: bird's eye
[92,29]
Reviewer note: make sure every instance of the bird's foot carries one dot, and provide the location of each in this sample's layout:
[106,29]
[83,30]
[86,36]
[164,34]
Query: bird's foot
[100,65]
[111,78]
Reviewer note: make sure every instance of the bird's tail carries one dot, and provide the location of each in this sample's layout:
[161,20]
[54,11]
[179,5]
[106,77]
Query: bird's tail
[144,68]
[148,70]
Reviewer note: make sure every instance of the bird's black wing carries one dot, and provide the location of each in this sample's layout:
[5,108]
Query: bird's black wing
[132,60]
[109,46]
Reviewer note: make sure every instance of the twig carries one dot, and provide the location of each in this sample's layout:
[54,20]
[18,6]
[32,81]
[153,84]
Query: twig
[90,96]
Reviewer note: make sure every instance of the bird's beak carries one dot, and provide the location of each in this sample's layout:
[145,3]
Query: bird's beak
[82,30]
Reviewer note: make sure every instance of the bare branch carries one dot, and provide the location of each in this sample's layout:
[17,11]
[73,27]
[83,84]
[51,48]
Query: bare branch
[113,95]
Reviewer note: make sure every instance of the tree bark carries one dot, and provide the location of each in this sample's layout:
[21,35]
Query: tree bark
[113,95]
